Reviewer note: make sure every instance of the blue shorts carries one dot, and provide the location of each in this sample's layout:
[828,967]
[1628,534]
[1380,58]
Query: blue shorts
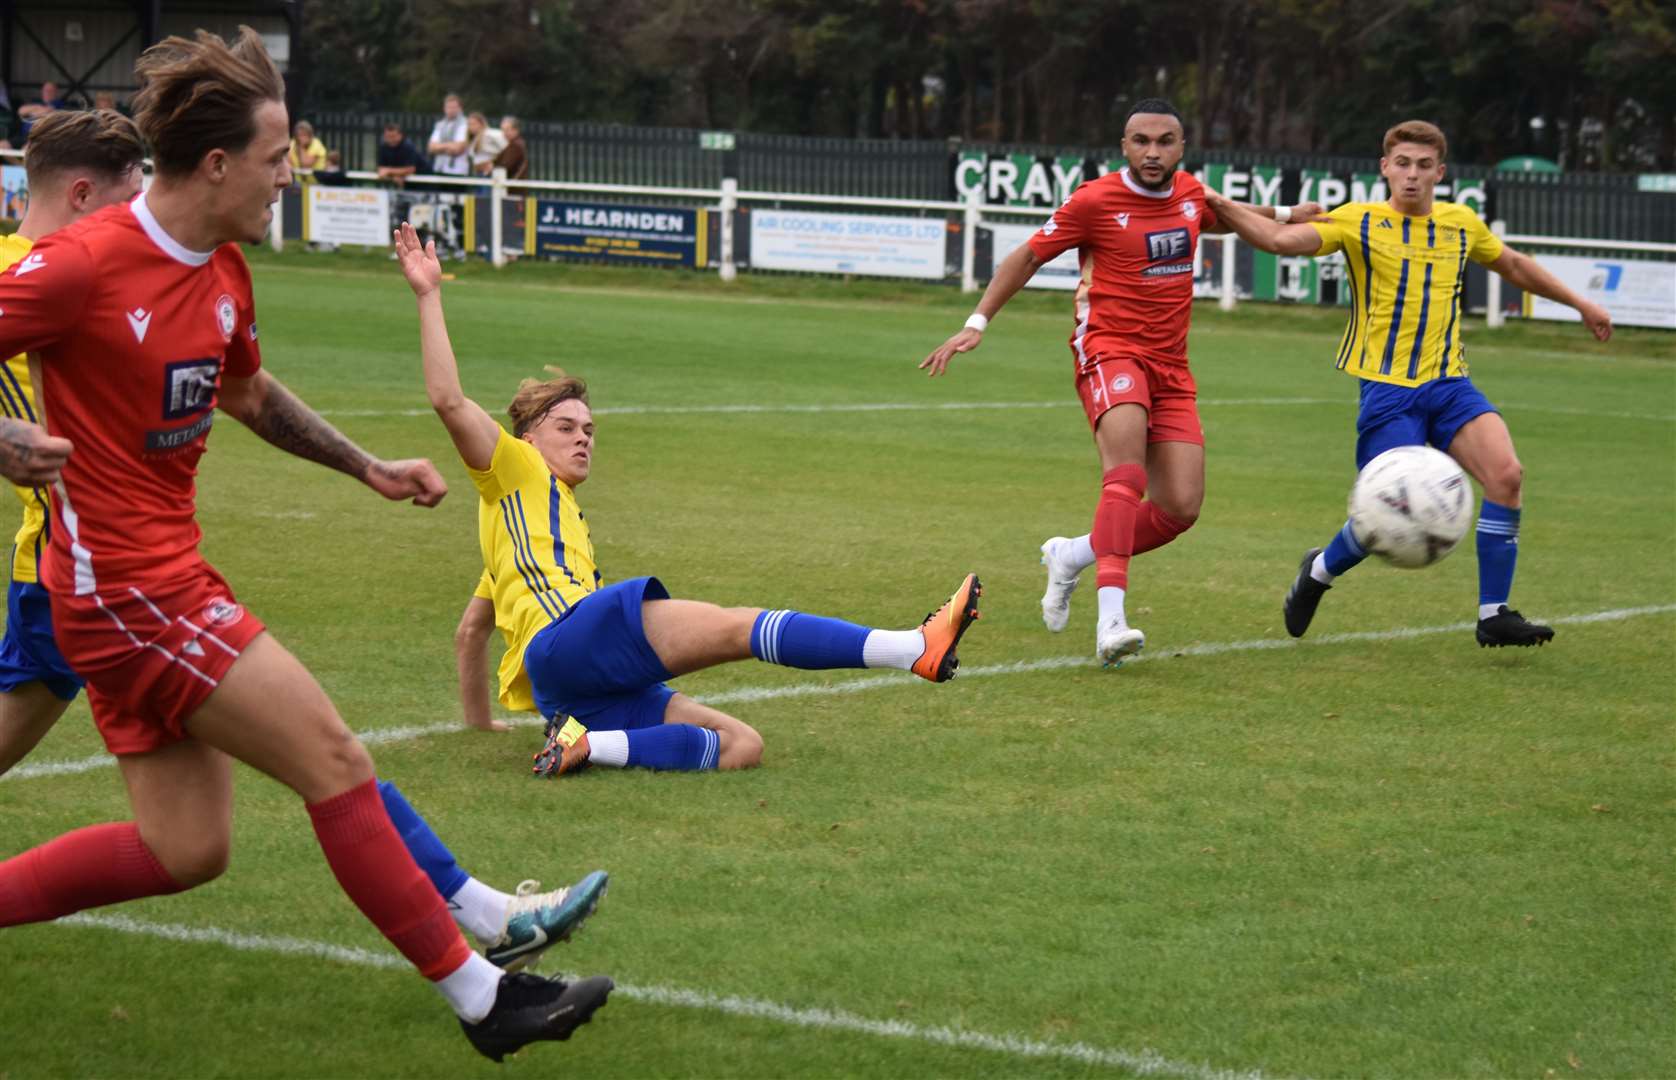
[595,663]
[28,653]
[1428,414]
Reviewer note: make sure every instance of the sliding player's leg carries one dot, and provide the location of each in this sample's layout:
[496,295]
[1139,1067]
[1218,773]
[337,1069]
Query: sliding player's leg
[27,712]
[689,737]
[269,712]
[1484,447]
[515,928]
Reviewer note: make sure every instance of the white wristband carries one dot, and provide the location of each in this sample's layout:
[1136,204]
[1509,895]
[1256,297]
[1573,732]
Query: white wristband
[976,322]
[1283,214]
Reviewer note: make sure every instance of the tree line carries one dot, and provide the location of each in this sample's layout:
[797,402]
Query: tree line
[1590,84]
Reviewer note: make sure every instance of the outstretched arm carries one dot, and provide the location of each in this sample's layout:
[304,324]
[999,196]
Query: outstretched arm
[471,642]
[1264,233]
[1305,211]
[1533,277]
[1010,276]
[474,431]
[262,404]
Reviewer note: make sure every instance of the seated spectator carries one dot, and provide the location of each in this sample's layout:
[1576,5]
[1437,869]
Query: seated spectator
[398,158]
[483,144]
[52,99]
[515,157]
[332,173]
[307,152]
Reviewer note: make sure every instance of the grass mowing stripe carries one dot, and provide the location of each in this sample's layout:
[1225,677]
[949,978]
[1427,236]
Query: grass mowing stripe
[970,406]
[376,736]
[1143,1062]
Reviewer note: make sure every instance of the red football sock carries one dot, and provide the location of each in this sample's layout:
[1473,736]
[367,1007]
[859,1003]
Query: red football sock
[374,867]
[1113,536]
[91,867]
[1154,528]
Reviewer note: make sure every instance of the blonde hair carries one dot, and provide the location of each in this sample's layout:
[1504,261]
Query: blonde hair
[202,95]
[536,397]
[1418,131]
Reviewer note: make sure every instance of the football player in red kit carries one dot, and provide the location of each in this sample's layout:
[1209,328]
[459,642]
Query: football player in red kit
[1135,231]
[140,322]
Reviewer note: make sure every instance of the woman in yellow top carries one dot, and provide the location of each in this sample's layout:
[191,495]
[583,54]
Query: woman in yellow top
[307,152]
[593,658]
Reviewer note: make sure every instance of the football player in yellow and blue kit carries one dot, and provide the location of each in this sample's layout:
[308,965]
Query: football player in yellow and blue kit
[1406,263]
[76,163]
[593,658]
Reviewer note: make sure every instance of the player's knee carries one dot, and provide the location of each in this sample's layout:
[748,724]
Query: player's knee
[1505,482]
[196,859]
[741,748]
[343,764]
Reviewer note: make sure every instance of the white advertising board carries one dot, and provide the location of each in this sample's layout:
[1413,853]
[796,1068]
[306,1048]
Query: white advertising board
[1064,272]
[907,247]
[344,215]
[1633,293]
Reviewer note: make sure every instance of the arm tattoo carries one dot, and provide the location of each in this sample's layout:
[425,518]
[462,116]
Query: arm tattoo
[15,447]
[283,420]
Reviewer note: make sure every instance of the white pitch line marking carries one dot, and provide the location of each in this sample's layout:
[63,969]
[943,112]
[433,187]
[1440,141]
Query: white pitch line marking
[882,679]
[1146,1062]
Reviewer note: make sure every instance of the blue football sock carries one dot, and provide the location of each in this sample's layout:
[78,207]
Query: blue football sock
[1498,551]
[804,641]
[682,747]
[425,846]
[1344,552]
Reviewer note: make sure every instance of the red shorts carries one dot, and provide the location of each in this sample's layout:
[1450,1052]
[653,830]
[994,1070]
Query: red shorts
[152,655]
[1166,391]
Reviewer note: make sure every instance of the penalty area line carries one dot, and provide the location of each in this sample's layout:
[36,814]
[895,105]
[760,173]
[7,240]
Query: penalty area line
[1145,1062]
[884,679]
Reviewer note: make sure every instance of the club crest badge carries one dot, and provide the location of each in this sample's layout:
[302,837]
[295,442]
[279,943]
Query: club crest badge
[226,316]
[1189,209]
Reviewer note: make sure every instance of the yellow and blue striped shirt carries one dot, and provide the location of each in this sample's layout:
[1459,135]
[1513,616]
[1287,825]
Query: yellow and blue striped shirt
[1407,278]
[538,558]
[17,400]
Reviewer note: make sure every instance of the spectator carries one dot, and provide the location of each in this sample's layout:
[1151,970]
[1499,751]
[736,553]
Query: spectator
[398,158]
[450,144]
[515,158]
[307,152]
[52,99]
[332,173]
[106,99]
[485,144]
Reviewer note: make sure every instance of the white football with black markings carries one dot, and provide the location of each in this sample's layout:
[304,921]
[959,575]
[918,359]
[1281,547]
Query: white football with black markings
[1411,506]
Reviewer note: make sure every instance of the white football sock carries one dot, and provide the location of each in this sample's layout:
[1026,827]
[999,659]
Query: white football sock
[471,988]
[892,648]
[1111,605]
[1079,552]
[609,748]
[480,910]
[1318,568]
[1489,611]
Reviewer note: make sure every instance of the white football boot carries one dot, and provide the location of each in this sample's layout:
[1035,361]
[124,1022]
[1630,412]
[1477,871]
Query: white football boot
[1061,583]
[1115,640]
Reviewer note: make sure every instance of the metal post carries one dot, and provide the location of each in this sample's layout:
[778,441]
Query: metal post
[276,227]
[1492,301]
[497,191]
[1228,299]
[728,208]
[969,241]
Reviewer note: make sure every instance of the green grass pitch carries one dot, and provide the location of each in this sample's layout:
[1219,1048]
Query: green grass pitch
[1373,855]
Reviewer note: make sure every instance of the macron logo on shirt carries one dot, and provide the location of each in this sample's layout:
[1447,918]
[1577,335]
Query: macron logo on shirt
[30,264]
[140,320]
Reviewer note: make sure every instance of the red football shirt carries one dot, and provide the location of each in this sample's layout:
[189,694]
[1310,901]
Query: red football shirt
[133,332]
[1136,248]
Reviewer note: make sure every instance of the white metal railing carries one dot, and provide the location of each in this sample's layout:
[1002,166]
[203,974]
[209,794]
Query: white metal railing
[1493,314]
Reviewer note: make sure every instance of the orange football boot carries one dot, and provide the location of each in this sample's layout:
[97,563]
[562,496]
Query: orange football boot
[566,750]
[942,629]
